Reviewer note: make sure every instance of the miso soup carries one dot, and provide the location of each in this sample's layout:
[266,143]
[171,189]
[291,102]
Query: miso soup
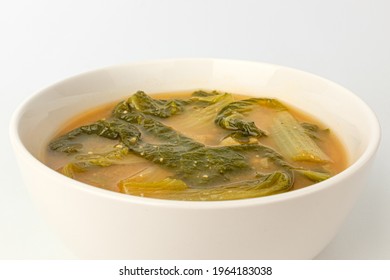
[201,146]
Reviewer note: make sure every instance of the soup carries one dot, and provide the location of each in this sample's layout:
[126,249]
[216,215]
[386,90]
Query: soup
[201,146]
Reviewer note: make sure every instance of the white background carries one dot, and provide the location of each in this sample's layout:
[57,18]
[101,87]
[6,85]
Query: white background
[42,42]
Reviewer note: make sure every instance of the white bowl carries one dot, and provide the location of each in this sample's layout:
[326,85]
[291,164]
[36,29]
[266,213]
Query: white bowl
[100,224]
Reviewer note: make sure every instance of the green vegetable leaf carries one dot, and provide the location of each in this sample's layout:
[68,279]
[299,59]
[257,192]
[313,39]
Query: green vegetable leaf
[111,129]
[155,107]
[231,117]
[83,162]
[314,176]
[169,188]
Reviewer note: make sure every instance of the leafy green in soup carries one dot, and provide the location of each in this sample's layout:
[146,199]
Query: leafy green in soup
[203,146]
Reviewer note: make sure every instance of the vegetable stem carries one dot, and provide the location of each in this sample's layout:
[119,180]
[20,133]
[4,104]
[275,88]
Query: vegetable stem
[293,141]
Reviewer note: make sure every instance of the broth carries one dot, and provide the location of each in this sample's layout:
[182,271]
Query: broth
[201,146]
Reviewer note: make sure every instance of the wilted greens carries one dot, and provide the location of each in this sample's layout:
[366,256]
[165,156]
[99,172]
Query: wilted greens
[237,165]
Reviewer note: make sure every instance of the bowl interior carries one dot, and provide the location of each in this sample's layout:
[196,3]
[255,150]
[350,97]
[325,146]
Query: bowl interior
[41,116]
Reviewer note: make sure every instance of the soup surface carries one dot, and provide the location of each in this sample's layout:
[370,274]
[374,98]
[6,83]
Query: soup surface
[196,146]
